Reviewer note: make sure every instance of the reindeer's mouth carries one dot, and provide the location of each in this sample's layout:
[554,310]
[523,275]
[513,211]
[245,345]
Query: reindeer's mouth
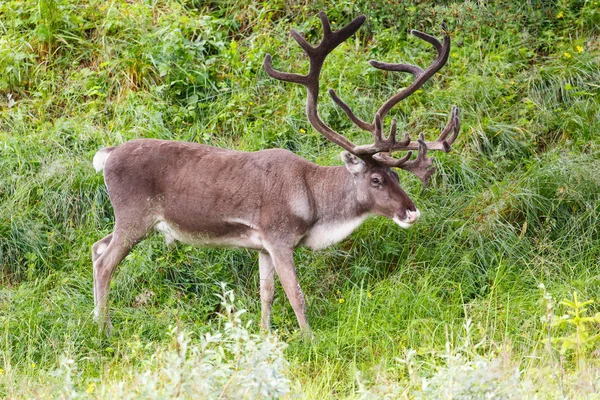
[409,220]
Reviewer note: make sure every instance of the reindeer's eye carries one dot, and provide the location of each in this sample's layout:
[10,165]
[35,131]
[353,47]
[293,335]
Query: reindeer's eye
[375,180]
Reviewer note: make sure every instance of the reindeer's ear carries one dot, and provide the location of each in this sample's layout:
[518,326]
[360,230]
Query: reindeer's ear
[354,164]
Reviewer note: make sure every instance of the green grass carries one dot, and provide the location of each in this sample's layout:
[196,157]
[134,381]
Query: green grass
[514,205]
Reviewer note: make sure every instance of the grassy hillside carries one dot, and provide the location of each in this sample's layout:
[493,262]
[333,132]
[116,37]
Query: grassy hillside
[467,301]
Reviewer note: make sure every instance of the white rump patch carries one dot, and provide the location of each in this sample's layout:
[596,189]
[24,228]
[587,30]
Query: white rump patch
[100,248]
[100,159]
[325,234]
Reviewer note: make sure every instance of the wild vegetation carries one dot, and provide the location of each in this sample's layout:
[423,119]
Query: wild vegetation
[494,292]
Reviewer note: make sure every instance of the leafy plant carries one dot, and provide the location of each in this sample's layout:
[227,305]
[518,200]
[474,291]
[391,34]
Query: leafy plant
[584,334]
[230,362]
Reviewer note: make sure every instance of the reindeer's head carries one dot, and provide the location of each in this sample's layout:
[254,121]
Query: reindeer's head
[378,190]
[371,165]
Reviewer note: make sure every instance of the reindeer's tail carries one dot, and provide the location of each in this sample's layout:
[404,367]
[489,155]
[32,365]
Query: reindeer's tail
[100,158]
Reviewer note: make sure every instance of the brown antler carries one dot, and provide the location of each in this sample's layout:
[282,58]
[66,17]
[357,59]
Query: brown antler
[420,166]
[316,57]
[380,149]
[378,152]
[420,78]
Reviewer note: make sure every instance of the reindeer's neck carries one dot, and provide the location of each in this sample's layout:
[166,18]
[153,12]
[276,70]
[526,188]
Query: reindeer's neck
[336,195]
[337,209]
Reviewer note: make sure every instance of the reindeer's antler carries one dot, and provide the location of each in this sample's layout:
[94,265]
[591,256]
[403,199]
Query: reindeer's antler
[378,152]
[317,56]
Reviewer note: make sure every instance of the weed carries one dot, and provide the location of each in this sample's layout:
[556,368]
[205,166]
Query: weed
[230,362]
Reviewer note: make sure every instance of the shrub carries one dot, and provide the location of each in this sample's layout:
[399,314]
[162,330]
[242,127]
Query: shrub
[227,363]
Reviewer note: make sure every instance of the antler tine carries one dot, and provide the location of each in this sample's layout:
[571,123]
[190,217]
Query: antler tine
[392,137]
[406,141]
[317,57]
[378,132]
[411,69]
[357,121]
[442,143]
[308,49]
[387,161]
[453,125]
[421,76]
[332,39]
[430,39]
[282,76]
[420,166]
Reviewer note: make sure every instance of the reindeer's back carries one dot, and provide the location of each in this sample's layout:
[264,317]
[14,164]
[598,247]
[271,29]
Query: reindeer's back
[194,182]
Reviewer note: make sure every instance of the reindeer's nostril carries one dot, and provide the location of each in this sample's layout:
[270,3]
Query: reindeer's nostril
[410,218]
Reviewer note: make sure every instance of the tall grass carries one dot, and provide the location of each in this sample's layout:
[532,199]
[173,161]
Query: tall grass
[515,204]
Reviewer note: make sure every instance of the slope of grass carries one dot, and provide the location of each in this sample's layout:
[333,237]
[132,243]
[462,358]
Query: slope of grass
[514,205]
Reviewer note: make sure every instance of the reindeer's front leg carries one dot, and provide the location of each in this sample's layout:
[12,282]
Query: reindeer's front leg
[283,260]
[267,288]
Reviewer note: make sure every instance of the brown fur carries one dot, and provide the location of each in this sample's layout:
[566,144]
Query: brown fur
[267,200]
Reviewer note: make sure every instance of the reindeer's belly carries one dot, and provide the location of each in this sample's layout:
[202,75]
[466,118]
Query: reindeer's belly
[241,235]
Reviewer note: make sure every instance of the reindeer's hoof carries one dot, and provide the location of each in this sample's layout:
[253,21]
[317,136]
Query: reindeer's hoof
[107,328]
[307,334]
[104,325]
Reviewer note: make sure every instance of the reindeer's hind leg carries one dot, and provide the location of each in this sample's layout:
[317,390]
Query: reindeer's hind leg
[106,259]
[97,249]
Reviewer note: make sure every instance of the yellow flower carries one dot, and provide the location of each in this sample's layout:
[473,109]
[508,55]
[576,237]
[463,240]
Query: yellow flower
[512,82]
[559,15]
[369,294]
[32,365]
[341,301]
[567,55]
[579,49]
[90,388]
[1,372]
[302,130]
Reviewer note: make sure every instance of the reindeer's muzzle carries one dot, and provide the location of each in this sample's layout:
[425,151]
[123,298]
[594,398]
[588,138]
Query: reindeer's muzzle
[410,218]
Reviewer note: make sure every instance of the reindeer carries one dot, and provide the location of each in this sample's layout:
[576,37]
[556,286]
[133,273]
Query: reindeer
[271,201]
